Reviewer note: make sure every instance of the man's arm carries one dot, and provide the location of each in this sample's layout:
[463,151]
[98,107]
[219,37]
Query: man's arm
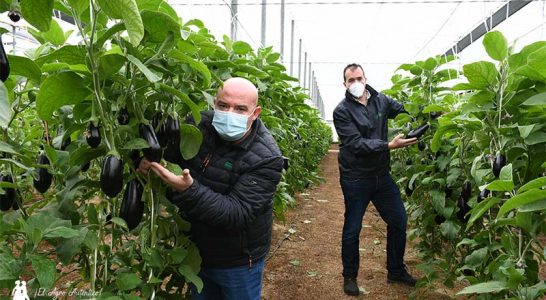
[350,136]
[395,108]
[252,192]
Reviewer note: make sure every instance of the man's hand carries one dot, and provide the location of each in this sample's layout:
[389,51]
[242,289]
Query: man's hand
[178,183]
[399,142]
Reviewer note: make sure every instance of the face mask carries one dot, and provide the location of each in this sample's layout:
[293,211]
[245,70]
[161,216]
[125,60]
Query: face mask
[230,126]
[357,89]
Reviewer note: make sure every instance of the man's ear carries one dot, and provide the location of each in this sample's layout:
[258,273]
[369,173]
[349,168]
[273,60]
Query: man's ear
[257,112]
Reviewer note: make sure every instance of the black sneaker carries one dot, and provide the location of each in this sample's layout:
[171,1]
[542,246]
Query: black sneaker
[404,278]
[350,287]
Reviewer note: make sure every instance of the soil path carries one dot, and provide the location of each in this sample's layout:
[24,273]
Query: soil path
[307,264]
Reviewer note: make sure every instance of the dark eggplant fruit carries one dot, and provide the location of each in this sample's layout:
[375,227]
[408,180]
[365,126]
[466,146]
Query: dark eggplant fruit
[15,16]
[463,209]
[132,207]
[500,161]
[4,63]
[408,190]
[408,162]
[8,198]
[418,132]
[286,163]
[44,177]
[153,153]
[435,114]
[161,132]
[421,145]
[66,143]
[123,116]
[111,176]
[483,194]
[92,135]
[172,152]
[466,191]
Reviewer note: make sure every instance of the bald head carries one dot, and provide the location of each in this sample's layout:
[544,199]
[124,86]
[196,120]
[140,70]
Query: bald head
[239,88]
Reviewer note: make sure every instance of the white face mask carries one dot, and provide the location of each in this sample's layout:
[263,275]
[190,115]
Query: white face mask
[357,89]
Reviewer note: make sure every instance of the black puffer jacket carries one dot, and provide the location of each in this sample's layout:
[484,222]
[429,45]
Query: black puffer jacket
[362,131]
[230,202]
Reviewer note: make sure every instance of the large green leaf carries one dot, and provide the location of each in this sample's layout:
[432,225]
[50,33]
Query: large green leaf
[439,134]
[73,55]
[480,209]
[241,48]
[537,61]
[533,184]
[25,67]
[527,197]
[58,90]
[158,25]
[152,77]
[191,276]
[484,287]
[110,64]
[496,45]
[45,270]
[5,147]
[190,140]
[194,64]
[536,138]
[501,186]
[38,13]
[128,11]
[127,281]
[5,107]
[195,111]
[79,5]
[482,74]
[55,35]
[539,99]
[7,270]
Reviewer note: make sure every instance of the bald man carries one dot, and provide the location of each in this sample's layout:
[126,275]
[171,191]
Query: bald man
[226,192]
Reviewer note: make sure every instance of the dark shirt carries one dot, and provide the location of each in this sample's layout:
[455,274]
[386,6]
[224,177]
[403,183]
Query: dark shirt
[362,131]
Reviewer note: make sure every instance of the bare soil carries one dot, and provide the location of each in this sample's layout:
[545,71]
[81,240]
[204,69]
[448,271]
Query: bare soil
[306,264]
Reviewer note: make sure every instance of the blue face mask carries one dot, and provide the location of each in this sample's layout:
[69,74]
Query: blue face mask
[230,126]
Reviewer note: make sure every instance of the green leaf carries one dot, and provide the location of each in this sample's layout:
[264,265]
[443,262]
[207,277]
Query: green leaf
[496,45]
[433,107]
[127,281]
[506,173]
[440,133]
[25,67]
[79,5]
[158,25]
[535,206]
[7,148]
[533,184]
[5,107]
[62,232]
[128,11]
[484,287]
[58,90]
[476,258]
[527,197]
[152,77]
[190,140]
[537,137]
[537,61]
[137,143]
[38,13]
[480,209]
[55,34]
[7,270]
[524,131]
[449,229]
[73,55]
[45,270]
[241,48]
[481,74]
[191,276]
[68,248]
[539,99]
[110,64]
[501,186]
[194,64]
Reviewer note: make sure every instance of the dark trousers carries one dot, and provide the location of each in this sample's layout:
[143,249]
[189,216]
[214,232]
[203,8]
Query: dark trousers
[385,195]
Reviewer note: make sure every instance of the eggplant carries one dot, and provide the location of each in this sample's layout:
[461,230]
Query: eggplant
[15,16]
[132,207]
[467,190]
[500,161]
[421,145]
[8,198]
[161,131]
[92,135]
[483,194]
[408,162]
[285,163]
[4,63]
[111,176]
[66,143]
[463,209]
[153,153]
[44,177]
[123,116]
[172,152]
[418,132]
